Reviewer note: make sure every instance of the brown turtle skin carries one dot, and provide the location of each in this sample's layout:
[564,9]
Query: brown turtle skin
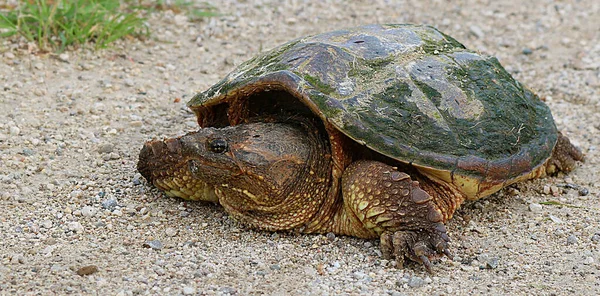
[281,175]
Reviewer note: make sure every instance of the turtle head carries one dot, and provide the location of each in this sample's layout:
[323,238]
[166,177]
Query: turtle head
[255,161]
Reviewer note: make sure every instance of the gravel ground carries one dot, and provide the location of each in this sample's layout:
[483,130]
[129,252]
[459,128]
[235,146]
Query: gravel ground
[78,219]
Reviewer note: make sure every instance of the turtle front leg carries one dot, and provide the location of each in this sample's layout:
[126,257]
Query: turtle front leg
[393,206]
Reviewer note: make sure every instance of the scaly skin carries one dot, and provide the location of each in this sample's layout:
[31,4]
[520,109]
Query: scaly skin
[285,176]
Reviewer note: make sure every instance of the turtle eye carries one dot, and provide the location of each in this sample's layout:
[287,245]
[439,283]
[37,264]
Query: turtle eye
[218,146]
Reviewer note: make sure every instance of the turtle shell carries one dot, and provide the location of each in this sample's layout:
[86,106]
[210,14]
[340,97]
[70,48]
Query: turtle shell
[409,92]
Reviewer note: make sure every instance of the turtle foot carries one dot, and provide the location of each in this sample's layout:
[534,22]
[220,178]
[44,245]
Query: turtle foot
[394,207]
[420,246]
[565,156]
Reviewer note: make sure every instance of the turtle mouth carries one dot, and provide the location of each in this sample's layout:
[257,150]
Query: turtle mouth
[158,157]
[164,164]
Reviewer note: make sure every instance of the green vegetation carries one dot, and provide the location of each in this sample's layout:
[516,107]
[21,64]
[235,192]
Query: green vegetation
[190,8]
[56,24]
[556,203]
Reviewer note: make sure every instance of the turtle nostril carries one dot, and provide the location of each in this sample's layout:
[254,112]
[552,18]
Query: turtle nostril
[174,145]
[194,166]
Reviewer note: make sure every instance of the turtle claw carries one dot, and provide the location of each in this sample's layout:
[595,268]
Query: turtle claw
[448,254]
[419,246]
[426,263]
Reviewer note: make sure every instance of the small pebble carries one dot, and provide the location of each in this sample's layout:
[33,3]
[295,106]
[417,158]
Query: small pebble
[416,282]
[75,226]
[63,57]
[555,219]
[39,92]
[128,82]
[491,263]
[48,250]
[475,30]
[109,204]
[136,123]
[88,211]
[136,181]
[572,239]
[159,270]
[56,268]
[171,231]
[359,275]
[535,207]
[28,152]
[596,237]
[87,270]
[330,236]
[102,282]
[555,190]
[47,224]
[17,259]
[187,290]
[154,244]
[14,131]
[228,290]
[105,148]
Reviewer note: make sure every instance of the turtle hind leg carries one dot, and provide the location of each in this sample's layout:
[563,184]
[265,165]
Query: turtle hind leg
[392,205]
[564,156]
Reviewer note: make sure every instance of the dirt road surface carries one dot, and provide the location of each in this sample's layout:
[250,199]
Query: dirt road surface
[71,127]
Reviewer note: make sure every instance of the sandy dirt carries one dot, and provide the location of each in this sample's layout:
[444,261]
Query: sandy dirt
[71,127]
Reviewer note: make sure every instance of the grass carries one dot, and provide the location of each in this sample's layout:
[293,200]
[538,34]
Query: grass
[556,203]
[178,6]
[57,24]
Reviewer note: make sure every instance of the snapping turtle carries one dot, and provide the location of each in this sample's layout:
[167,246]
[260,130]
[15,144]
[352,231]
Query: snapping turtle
[379,131]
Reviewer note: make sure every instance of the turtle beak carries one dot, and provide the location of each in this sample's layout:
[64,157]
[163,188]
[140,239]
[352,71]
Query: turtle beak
[159,156]
[166,164]
[160,159]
